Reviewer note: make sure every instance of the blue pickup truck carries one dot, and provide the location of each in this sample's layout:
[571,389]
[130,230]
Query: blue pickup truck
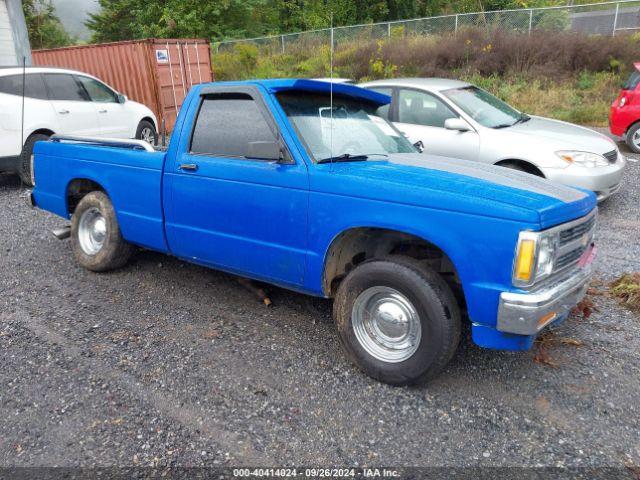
[300,184]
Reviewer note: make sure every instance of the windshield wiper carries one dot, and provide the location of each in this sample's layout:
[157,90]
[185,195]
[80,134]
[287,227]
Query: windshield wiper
[348,157]
[523,118]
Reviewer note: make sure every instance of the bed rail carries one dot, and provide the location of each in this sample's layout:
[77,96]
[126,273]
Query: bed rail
[105,142]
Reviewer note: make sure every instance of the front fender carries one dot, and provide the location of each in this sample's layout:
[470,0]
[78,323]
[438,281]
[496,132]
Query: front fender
[481,248]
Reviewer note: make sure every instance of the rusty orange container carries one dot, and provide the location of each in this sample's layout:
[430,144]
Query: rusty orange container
[155,72]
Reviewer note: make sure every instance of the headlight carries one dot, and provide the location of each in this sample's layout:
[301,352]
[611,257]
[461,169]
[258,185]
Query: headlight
[534,259]
[586,159]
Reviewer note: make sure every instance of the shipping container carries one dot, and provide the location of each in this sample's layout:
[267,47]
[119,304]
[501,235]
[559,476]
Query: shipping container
[155,72]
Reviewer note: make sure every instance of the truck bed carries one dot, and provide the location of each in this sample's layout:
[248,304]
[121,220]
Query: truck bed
[131,175]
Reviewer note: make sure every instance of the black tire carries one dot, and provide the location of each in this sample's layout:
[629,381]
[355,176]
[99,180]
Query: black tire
[434,302]
[146,126]
[115,251]
[629,138]
[26,162]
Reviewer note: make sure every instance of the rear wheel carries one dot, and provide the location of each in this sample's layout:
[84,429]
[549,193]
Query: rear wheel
[95,235]
[398,320]
[147,132]
[26,171]
[633,138]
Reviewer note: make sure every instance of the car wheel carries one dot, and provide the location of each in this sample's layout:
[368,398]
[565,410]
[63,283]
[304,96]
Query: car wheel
[95,235]
[397,320]
[26,170]
[633,138]
[147,132]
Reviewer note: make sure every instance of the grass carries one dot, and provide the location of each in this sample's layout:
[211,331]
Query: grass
[626,290]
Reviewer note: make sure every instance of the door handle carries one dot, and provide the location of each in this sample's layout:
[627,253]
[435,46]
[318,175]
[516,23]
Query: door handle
[102,111]
[191,167]
[63,112]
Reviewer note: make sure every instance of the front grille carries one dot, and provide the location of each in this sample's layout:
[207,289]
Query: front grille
[569,258]
[573,242]
[571,234]
[611,156]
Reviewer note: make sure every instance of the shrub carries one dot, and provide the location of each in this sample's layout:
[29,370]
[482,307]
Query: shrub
[562,74]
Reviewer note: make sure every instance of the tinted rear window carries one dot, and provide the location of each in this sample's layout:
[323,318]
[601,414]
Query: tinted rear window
[633,81]
[62,86]
[227,123]
[34,86]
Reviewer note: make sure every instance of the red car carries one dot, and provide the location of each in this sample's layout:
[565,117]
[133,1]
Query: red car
[624,117]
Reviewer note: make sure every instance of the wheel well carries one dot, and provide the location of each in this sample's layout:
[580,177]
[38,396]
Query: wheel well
[77,189]
[150,120]
[631,126]
[354,246]
[42,131]
[526,166]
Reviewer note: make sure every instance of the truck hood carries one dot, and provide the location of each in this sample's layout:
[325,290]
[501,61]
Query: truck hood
[562,135]
[463,186]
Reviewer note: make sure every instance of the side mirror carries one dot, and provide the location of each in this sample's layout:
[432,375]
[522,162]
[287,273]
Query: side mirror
[456,124]
[122,98]
[419,146]
[265,151]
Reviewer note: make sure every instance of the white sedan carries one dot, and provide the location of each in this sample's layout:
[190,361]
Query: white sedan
[66,102]
[456,119]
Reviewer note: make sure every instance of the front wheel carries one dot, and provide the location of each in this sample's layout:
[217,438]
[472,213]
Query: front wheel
[95,235]
[398,320]
[147,132]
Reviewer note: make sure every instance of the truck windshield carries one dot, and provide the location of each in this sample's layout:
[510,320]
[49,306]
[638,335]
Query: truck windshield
[352,131]
[484,108]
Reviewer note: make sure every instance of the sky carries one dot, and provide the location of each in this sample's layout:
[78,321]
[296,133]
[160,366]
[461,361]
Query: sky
[73,13]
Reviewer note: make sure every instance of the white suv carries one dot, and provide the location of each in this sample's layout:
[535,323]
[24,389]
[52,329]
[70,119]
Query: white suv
[65,102]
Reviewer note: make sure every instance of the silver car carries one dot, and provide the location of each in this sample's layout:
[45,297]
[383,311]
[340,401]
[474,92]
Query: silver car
[456,119]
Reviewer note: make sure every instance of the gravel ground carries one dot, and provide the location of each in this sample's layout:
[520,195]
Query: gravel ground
[167,363]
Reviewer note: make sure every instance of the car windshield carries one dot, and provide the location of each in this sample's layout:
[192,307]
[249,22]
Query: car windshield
[632,81]
[483,107]
[350,131]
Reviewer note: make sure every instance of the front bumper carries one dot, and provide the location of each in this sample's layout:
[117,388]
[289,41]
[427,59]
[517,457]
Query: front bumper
[528,313]
[603,181]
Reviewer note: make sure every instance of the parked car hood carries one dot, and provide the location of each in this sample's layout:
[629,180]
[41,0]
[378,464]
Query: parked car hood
[563,135]
[460,185]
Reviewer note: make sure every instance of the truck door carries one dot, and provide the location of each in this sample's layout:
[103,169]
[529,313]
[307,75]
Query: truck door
[228,209]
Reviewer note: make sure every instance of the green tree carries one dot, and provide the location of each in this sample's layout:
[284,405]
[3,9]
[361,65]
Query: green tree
[135,19]
[45,29]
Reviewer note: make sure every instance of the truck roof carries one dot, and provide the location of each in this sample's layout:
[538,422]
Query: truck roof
[303,84]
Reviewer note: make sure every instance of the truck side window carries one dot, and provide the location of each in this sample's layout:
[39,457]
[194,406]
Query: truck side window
[226,124]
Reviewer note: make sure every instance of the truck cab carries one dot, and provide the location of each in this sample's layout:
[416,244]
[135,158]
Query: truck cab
[299,183]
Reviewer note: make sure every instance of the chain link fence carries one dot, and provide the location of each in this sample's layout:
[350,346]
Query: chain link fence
[604,18]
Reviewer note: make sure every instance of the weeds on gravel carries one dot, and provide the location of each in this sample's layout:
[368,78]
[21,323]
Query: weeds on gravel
[626,290]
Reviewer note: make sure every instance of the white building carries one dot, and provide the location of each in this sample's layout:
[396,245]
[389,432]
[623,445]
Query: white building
[14,39]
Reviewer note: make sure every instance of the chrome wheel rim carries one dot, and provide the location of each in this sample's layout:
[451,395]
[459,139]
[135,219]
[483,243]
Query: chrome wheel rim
[147,135]
[636,138]
[92,231]
[386,324]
